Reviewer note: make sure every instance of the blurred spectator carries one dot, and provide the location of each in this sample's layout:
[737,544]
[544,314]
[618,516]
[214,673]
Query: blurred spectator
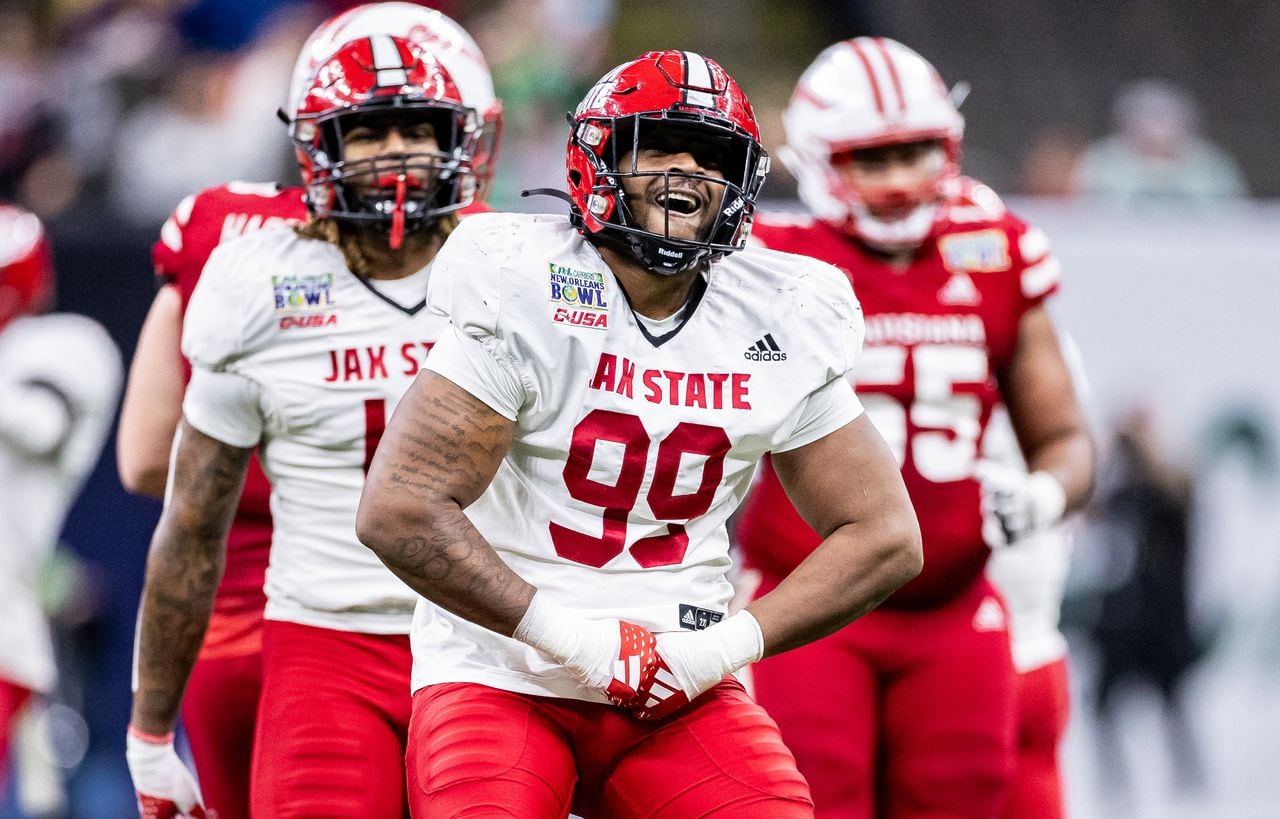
[1049,166]
[1157,151]
[544,55]
[1143,631]
[215,122]
[24,120]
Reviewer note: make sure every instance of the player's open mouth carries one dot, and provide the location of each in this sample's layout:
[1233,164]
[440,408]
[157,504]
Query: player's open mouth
[685,202]
[389,181]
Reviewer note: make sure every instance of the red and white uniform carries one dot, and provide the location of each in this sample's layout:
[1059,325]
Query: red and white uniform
[199,224]
[628,455]
[69,363]
[61,373]
[938,333]
[294,354]
[614,496]
[220,706]
[324,356]
[1031,576]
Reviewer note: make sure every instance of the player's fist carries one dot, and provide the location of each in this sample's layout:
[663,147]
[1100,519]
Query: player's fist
[609,656]
[1016,504]
[165,788]
[690,662]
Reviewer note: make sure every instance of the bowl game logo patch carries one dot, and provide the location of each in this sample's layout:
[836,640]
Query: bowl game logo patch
[979,251]
[579,289]
[295,294]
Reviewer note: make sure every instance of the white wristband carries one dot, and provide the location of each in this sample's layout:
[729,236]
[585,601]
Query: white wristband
[548,627]
[1048,499]
[738,640]
[585,647]
[700,659]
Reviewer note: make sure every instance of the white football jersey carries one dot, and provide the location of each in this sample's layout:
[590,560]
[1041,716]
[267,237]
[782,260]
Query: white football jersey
[329,356]
[630,451]
[72,358]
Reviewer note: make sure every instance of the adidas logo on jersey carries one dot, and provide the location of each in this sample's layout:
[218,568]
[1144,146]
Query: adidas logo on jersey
[696,619]
[959,289]
[989,616]
[766,349]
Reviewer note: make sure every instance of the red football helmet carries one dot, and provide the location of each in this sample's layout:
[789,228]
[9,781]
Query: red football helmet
[430,31]
[676,96]
[385,76]
[26,267]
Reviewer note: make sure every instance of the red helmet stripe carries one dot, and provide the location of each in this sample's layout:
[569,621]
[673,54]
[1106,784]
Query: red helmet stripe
[893,74]
[388,62]
[871,75]
[697,75]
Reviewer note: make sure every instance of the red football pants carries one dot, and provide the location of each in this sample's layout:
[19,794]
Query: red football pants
[904,713]
[331,724]
[1043,706]
[13,698]
[220,712]
[479,751]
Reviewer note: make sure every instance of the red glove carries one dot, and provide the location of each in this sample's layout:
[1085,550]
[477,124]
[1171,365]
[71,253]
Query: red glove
[689,663]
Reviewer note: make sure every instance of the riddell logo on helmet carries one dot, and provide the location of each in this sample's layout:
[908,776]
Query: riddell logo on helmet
[673,253]
[735,207]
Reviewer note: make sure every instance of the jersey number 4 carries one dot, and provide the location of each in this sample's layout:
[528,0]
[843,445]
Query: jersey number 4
[618,499]
[944,424]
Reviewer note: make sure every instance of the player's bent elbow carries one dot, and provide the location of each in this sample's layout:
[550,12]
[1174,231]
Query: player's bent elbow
[140,479]
[371,523]
[904,551]
[382,521]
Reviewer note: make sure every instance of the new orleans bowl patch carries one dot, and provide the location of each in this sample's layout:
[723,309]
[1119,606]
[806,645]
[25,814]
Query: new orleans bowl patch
[578,296]
[979,251]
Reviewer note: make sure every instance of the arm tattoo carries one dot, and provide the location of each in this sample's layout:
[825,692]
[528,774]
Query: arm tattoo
[188,552]
[438,462]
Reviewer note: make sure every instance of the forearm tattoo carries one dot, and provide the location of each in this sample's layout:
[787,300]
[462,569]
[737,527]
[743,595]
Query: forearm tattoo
[188,552]
[441,460]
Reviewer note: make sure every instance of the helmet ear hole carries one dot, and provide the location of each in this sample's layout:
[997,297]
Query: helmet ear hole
[575,177]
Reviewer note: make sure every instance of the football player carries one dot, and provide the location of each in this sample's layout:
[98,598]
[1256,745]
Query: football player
[598,406]
[59,382]
[220,705]
[300,341]
[916,713]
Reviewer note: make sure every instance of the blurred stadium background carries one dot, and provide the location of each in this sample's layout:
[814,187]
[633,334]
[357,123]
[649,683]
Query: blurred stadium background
[112,111]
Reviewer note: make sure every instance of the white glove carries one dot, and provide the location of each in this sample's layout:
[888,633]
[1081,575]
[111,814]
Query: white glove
[691,662]
[1016,504]
[165,788]
[610,656]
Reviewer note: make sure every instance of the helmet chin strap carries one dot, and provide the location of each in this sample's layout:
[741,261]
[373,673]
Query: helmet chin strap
[893,236]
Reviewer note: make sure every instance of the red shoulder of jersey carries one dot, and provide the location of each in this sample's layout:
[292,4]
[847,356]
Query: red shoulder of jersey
[787,231]
[976,233]
[474,208]
[205,219]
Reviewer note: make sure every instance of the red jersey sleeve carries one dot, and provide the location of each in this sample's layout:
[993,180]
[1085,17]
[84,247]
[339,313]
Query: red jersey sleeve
[204,220]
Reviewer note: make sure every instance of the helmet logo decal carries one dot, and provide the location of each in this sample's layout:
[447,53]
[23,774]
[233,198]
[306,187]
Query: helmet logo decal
[388,62]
